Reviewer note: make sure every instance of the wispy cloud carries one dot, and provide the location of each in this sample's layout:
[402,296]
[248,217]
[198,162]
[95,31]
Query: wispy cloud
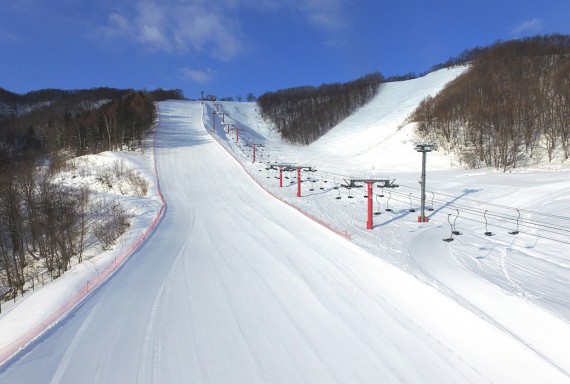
[324,14]
[206,27]
[529,26]
[176,27]
[7,37]
[198,75]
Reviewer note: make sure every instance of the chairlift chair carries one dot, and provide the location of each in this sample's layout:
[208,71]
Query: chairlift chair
[411,208]
[487,232]
[381,190]
[338,197]
[378,206]
[431,208]
[455,231]
[450,238]
[388,201]
[516,231]
[335,184]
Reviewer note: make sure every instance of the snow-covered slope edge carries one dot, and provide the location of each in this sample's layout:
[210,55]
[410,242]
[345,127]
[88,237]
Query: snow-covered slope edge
[29,318]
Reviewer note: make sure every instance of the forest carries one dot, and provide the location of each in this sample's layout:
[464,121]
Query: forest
[43,223]
[512,106]
[304,114]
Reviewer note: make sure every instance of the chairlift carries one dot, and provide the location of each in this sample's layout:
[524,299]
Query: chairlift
[338,197]
[411,208]
[378,206]
[450,238]
[431,208]
[487,232]
[387,201]
[516,231]
[455,231]
[349,195]
[335,184]
[381,190]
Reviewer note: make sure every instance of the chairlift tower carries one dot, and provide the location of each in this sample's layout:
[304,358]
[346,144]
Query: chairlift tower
[424,149]
[291,167]
[237,131]
[382,183]
[254,146]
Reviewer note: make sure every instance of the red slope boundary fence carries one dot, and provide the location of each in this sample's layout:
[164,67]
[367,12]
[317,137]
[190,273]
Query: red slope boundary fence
[9,351]
[339,232]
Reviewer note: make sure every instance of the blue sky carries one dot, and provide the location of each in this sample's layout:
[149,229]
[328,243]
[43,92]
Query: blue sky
[235,47]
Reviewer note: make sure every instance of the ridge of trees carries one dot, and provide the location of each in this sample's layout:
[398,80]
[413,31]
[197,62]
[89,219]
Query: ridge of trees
[70,100]
[303,114]
[81,122]
[513,103]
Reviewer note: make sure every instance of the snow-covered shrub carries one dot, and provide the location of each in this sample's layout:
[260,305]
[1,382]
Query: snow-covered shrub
[113,221]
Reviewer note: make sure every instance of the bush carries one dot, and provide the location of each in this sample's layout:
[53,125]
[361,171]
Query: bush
[113,222]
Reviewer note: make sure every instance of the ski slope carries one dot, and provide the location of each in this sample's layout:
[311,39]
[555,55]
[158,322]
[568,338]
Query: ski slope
[236,286]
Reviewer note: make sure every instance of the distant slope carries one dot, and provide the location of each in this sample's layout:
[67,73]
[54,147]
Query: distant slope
[304,114]
[373,133]
[376,137]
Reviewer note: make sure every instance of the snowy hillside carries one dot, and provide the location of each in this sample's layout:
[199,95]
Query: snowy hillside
[235,286]
[376,136]
[377,142]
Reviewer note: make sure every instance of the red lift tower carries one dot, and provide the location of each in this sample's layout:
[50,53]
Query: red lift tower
[291,167]
[254,146]
[358,183]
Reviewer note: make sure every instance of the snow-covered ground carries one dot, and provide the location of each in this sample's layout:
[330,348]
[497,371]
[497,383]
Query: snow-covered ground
[235,286]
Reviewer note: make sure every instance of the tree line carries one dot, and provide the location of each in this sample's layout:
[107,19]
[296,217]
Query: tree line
[42,221]
[81,122]
[303,114]
[512,104]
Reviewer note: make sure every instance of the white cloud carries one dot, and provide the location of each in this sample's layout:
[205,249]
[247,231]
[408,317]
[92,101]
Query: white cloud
[118,26]
[207,27]
[198,76]
[176,27]
[7,37]
[324,14]
[529,26]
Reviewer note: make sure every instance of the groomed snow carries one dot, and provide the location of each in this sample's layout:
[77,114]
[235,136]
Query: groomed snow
[234,286]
